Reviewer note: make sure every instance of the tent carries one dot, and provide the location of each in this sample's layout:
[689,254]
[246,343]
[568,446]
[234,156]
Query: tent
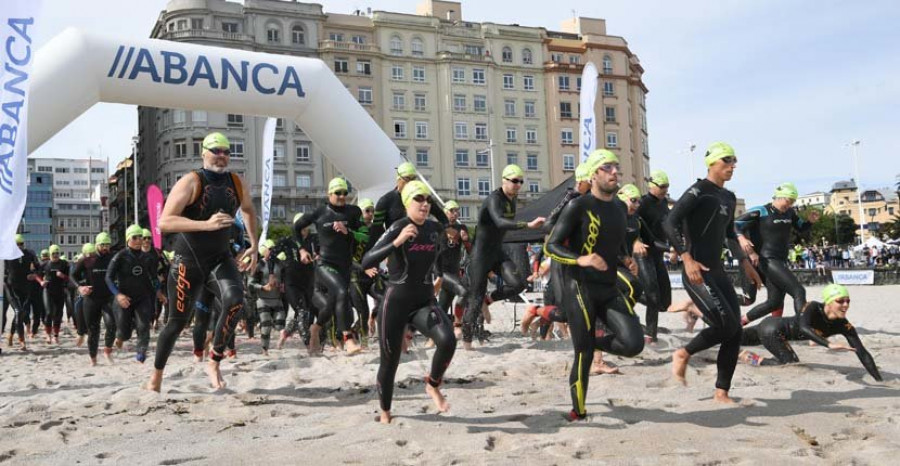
[539,208]
[870,242]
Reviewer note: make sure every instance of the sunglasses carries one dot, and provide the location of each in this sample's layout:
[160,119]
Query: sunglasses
[515,180]
[609,167]
[635,200]
[842,301]
[423,198]
[661,186]
[136,237]
[409,178]
[729,160]
[369,211]
[340,193]
[218,151]
[54,254]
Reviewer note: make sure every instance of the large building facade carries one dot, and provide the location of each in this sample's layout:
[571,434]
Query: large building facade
[37,220]
[879,206]
[460,99]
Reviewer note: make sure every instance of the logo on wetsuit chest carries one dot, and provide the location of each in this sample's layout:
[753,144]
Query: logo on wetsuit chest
[781,220]
[593,232]
[723,210]
[137,271]
[419,247]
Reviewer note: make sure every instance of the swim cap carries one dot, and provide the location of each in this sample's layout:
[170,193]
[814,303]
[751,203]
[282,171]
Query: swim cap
[20,239]
[88,248]
[787,190]
[413,189]
[281,256]
[513,171]
[337,184]
[102,238]
[406,170]
[297,217]
[169,254]
[450,205]
[365,203]
[834,291]
[216,141]
[262,252]
[53,249]
[269,243]
[629,191]
[659,177]
[717,151]
[582,173]
[134,230]
[599,157]
[45,252]
[146,233]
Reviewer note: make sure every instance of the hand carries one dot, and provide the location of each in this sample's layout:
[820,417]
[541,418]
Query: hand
[437,285]
[640,249]
[814,216]
[409,232]
[631,265]
[251,265]
[268,287]
[340,227]
[371,273]
[754,259]
[85,290]
[219,221]
[464,236]
[305,257]
[536,223]
[694,269]
[840,347]
[746,245]
[124,301]
[271,280]
[593,260]
[60,274]
[744,320]
[751,274]
[531,278]
[161,297]
[30,277]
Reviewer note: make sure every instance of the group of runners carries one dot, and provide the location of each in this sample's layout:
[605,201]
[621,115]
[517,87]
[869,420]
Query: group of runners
[413,258]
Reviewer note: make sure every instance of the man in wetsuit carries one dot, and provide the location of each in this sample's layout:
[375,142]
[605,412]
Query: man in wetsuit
[365,282]
[697,228]
[97,299]
[37,312]
[55,281]
[199,213]
[651,267]
[449,263]
[771,225]
[20,277]
[299,280]
[589,241]
[496,217]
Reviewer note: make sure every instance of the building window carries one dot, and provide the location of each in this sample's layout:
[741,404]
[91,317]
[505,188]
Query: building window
[612,139]
[529,109]
[578,84]
[237,148]
[509,107]
[534,187]
[556,57]
[459,75]
[462,157]
[563,83]
[528,83]
[279,179]
[531,162]
[421,130]
[336,37]
[610,114]
[567,137]
[464,212]
[474,50]
[512,158]
[530,136]
[421,157]
[459,103]
[574,59]
[400,129]
[302,152]
[484,187]
[481,132]
[482,158]
[231,28]
[526,57]
[565,110]
[609,88]
[365,95]
[341,65]
[607,65]
[45,169]
[235,120]
[303,181]
[479,103]
[509,81]
[568,162]
[298,36]
[198,116]
[359,40]
[463,187]
[178,117]
[364,67]
[278,152]
[397,72]
[396,45]
[478,76]
[279,124]
[279,211]
[507,55]
[419,102]
[399,101]
[418,74]
[180,149]
[418,47]
[511,135]
[461,130]
[273,35]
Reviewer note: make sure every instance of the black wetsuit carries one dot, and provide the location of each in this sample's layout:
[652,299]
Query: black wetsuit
[132,273]
[699,223]
[362,286]
[497,216]
[299,281]
[389,209]
[18,288]
[449,268]
[770,232]
[590,225]
[335,261]
[810,324]
[651,268]
[204,260]
[91,271]
[409,299]
[55,294]
[269,305]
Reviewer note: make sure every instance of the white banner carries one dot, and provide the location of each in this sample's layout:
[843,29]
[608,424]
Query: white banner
[676,280]
[587,123]
[17,28]
[853,277]
[268,148]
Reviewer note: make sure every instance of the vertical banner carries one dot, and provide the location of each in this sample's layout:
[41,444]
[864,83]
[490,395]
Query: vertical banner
[154,211]
[268,147]
[588,124]
[18,19]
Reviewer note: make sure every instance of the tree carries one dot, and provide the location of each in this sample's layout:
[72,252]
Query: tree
[892,229]
[840,229]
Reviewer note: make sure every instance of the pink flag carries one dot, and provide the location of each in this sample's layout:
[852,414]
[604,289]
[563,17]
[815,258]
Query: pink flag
[154,209]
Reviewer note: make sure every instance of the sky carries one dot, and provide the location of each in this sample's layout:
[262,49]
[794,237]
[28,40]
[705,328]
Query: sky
[788,83]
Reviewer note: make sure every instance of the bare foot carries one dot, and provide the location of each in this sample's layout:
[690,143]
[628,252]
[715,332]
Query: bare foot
[467,345]
[9,340]
[118,343]
[429,343]
[265,352]
[215,374]
[437,397]
[351,346]
[486,312]
[55,339]
[385,417]
[314,344]
[79,341]
[680,360]
[283,338]
[155,382]
[457,332]
[721,396]
[404,347]
[603,368]
[530,315]
[371,326]
[107,353]
[93,362]
[198,355]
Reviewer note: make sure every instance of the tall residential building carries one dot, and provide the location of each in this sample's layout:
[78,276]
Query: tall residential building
[121,202]
[37,220]
[879,206]
[79,192]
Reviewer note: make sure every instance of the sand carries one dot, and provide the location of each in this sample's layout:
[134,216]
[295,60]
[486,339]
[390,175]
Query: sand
[507,404]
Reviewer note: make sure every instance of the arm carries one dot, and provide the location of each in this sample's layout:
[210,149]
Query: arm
[495,210]
[748,221]
[112,271]
[864,357]
[381,211]
[77,274]
[672,225]
[732,237]
[382,249]
[554,245]
[306,221]
[806,327]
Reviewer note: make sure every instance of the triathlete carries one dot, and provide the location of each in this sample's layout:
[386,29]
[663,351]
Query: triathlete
[365,282]
[199,213]
[697,227]
[651,267]
[815,322]
[20,278]
[589,240]
[772,224]
[449,263]
[96,298]
[37,296]
[497,216]
[55,282]
[411,246]
[389,207]
[269,302]
[299,280]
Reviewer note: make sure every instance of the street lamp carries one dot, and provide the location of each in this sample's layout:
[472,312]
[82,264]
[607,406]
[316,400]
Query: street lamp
[862,228]
[690,159]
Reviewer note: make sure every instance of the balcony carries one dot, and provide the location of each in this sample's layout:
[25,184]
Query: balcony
[347,46]
[559,66]
[446,55]
[205,34]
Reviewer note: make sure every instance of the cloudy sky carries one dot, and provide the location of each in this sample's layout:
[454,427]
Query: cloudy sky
[787,83]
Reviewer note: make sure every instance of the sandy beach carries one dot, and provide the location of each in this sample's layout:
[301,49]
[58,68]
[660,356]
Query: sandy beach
[507,404]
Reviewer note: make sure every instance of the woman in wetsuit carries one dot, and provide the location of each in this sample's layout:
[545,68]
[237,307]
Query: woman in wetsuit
[411,246]
[55,282]
[816,322]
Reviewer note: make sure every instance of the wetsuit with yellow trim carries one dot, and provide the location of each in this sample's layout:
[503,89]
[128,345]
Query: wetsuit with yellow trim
[589,225]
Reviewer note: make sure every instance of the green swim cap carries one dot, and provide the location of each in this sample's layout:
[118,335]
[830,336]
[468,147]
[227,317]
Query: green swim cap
[216,141]
[718,151]
[659,177]
[20,239]
[298,216]
[337,184]
[54,249]
[77,257]
[146,233]
[787,190]
[834,291]
[582,174]
[45,252]
[365,203]
[281,256]
[134,230]
[406,170]
[451,204]
[513,171]
[598,158]
[629,191]
[413,189]
[88,248]
[169,254]
[102,238]
[269,243]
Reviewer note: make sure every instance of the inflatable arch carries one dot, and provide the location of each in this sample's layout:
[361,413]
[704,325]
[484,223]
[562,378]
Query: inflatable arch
[76,70]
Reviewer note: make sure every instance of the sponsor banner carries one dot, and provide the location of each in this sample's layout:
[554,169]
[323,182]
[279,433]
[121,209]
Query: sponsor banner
[853,277]
[154,211]
[675,279]
[587,141]
[268,147]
